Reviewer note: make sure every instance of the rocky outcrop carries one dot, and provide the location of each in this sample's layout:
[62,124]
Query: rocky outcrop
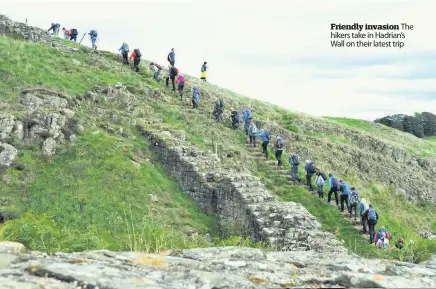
[225,267]
[240,198]
[46,121]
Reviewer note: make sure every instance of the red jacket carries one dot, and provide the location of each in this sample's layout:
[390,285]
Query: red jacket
[133,55]
[68,32]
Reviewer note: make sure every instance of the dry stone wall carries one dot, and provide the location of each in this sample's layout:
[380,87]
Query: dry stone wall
[241,198]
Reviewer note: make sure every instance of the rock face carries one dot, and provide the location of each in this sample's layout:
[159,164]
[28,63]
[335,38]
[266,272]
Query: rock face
[224,267]
[240,198]
[46,122]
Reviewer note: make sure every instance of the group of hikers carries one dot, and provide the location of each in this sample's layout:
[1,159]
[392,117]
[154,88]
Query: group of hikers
[71,34]
[348,197]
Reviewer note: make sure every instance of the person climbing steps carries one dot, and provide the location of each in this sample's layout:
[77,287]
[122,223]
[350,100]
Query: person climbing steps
[172,73]
[136,55]
[279,146]
[180,85]
[124,49]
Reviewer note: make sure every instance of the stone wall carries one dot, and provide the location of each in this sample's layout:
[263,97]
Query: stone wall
[21,31]
[239,197]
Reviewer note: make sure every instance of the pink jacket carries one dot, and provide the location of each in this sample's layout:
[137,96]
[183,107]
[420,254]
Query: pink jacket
[180,79]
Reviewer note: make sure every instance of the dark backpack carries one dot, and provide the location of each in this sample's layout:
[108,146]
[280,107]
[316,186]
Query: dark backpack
[295,160]
[222,104]
[335,183]
[236,116]
[280,143]
[168,57]
[354,198]
[203,68]
[372,216]
[176,71]
[137,52]
[268,136]
[74,31]
[323,176]
[93,33]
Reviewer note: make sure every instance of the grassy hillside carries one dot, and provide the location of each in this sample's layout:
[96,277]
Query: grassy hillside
[90,195]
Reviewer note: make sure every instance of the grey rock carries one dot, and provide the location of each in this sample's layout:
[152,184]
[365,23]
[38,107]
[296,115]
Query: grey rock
[153,197]
[7,155]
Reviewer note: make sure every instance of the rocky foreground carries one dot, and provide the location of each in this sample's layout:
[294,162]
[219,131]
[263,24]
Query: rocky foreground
[205,268]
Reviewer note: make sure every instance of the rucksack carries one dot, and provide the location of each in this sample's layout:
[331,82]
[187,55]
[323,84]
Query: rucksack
[323,176]
[74,31]
[158,66]
[176,71]
[335,183]
[354,199]
[203,68]
[280,143]
[137,52]
[295,160]
[372,215]
[268,137]
[222,104]
[236,115]
[168,57]
[93,33]
[312,168]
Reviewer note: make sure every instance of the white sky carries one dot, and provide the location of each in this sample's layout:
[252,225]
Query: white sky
[278,51]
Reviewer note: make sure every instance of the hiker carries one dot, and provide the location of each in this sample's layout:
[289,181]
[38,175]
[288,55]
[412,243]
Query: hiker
[180,84]
[156,68]
[55,27]
[294,161]
[246,116]
[333,188]
[382,238]
[264,135]
[93,34]
[219,110]
[195,97]
[363,208]
[279,146]
[310,170]
[235,119]
[399,244]
[320,181]
[204,71]
[172,57]
[172,73]
[345,192]
[136,55]
[252,130]
[67,33]
[354,200]
[73,34]
[371,216]
[124,49]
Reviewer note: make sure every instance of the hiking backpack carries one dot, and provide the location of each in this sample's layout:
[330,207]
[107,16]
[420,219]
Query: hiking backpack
[168,57]
[176,71]
[236,116]
[74,31]
[222,104]
[280,143]
[312,168]
[335,183]
[354,199]
[203,68]
[137,52]
[323,176]
[295,159]
[158,66]
[93,33]
[268,137]
[372,215]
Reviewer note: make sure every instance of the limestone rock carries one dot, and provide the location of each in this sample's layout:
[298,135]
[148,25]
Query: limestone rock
[7,155]
[7,247]
[153,198]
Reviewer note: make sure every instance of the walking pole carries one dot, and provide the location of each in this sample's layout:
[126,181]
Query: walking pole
[82,38]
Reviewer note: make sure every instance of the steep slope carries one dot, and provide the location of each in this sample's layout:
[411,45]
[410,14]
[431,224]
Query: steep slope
[377,160]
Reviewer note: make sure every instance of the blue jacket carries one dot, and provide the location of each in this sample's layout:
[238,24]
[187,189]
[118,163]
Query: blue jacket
[172,56]
[263,135]
[195,95]
[124,49]
[246,114]
[345,189]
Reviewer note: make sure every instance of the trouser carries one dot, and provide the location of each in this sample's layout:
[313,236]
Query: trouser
[353,206]
[364,224]
[265,148]
[125,58]
[294,173]
[136,61]
[218,115]
[56,32]
[279,157]
[180,87]
[321,191]
[73,37]
[172,81]
[253,140]
[172,63]
[333,190]
[156,75]
[344,199]
[309,181]
[93,40]
[246,125]
[66,36]
[371,225]
[235,123]
[194,104]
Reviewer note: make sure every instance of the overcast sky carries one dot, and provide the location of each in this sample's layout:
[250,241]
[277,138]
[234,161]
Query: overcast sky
[278,51]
